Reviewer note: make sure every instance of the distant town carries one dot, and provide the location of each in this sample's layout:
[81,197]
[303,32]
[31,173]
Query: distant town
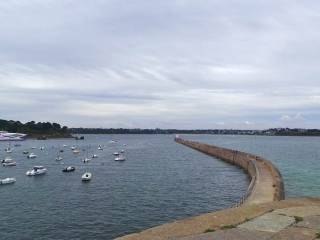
[268,132]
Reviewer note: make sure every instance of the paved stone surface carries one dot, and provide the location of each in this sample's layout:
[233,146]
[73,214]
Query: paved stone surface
[196,226]
[310,222]
[269,222]
[299,211]
[231,234]
[295,233]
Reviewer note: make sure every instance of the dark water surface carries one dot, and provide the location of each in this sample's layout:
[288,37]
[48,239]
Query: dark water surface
[161,181]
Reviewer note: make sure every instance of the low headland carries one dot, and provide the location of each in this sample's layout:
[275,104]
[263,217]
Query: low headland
[38,130]
[261,214]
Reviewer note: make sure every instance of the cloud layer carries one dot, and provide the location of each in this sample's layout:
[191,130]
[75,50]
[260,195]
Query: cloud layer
[167,64]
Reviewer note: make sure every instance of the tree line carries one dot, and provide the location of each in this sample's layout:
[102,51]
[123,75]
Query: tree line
[34,128]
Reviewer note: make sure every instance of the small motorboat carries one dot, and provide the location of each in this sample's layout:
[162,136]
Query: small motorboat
[120,158]
[64,145]
[100,147]
[86,177]
[69,169]
[37,170]
[73,148]
[7,181]
[33,147]
[25,152]
[94,156]
[7,160]
[86,160]
[31,155]
[41,148]
[122,151]
[76,151]
[61,150]
[9,164]
[59,158]
[116,154]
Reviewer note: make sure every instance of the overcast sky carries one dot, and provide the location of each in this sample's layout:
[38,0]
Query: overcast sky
[161,63]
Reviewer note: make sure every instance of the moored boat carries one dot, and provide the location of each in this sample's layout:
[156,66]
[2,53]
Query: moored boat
[85,160]
[86,177]
[120,158]
[7,181]
[9,164]
[76,151]
[37,170]
[69,169]
[32,155]
[7,160]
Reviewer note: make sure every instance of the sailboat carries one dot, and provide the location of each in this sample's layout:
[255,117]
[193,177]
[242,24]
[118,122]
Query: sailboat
[86,159]
[8,149]
[59,158]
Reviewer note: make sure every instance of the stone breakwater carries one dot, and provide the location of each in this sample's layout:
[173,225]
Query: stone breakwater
[263,196]
[266,181]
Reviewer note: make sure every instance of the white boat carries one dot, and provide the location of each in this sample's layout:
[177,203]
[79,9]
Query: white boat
[64,145]
[37,170]
[41,148]
[8,149]
[59,158]
[69,169]
[122,151]
[9,164]
[33,147]
[100,147]
[86,176]
[120,158]
[7,181]
[31,155]
[25,152]
[76,151]
[7,160]
[86,160]
[116,154]
[73,148]
[94,156]
[6,136]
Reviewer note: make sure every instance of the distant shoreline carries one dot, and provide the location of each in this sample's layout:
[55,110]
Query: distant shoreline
[268,132]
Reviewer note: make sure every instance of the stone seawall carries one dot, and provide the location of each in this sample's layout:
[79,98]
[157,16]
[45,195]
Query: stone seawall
[263,195]
[266,184]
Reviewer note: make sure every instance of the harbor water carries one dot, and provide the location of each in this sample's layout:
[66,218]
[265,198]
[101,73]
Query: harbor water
[160,181]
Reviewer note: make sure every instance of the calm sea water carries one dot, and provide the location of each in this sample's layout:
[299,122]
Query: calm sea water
[160,181]
[298,158]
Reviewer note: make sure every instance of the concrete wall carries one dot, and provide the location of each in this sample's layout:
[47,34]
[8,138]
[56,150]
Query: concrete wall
[267,183]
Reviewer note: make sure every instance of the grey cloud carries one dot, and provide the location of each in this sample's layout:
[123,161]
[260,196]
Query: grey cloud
[170,63]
